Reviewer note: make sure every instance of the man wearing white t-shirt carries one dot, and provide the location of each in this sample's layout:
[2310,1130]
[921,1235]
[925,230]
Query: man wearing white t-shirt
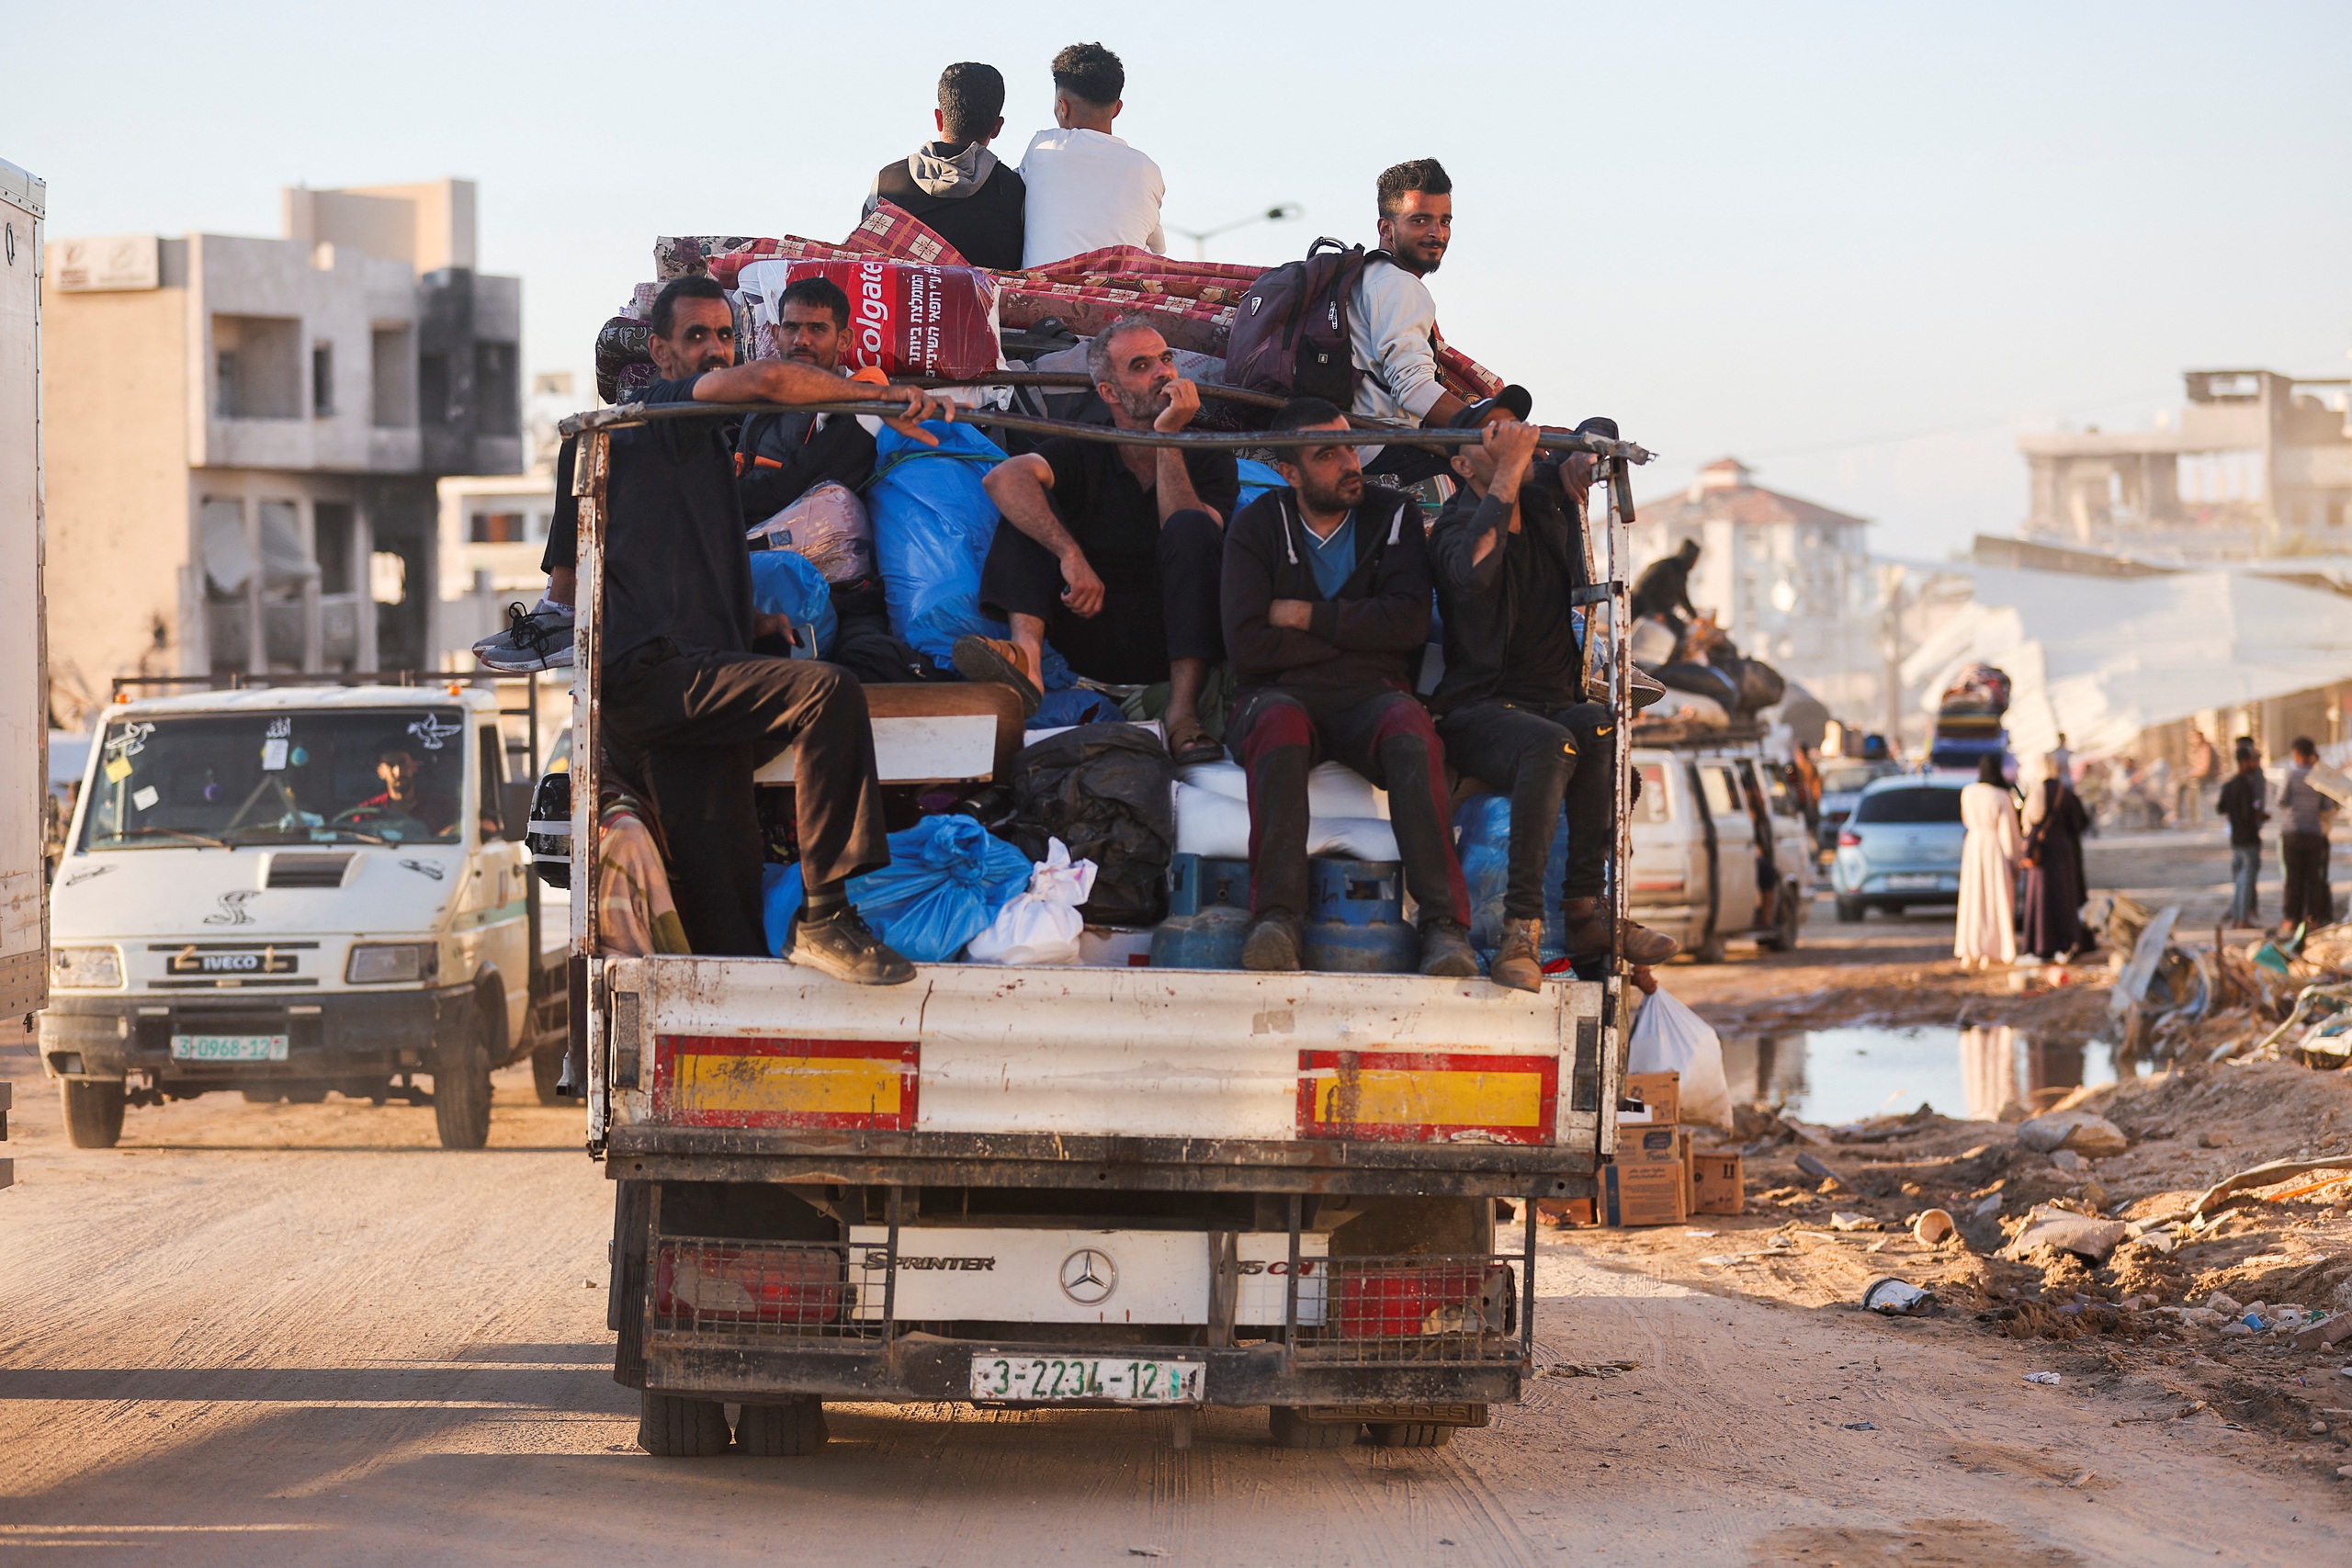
[1087,188]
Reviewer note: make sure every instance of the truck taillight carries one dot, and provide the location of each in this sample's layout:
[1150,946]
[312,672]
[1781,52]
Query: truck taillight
[1849,839]
[709,1284]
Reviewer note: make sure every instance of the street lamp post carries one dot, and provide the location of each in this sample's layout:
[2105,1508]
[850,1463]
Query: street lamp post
[1281,211]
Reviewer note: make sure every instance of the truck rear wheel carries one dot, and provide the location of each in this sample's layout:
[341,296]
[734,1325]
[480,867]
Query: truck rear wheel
[92,1112]
[1412,1434]
[461,1084]
[781,1431]
[671,1426]
[547,1069]
[1290,1428]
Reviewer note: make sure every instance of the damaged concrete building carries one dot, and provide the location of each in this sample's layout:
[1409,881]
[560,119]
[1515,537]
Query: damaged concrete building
[243,436]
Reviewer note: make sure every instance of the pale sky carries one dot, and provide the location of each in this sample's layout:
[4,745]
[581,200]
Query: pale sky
[1859,245]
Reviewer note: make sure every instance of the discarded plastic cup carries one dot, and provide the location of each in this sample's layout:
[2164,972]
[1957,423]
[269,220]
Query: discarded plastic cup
[1930,1226]
[1897,1298]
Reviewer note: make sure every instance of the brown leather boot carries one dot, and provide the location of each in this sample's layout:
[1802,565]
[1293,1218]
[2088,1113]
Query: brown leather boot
[1584,928]
[1518,961]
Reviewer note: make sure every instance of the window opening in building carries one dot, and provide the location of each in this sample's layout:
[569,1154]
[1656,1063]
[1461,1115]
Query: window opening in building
[321,379]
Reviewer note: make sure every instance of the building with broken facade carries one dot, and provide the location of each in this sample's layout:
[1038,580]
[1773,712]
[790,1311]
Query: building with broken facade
[1790,579]
[243,436]
[2255,464]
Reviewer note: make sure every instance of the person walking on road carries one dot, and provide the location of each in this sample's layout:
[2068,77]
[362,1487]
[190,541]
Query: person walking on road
[2303,842]
[2204,767]
[2055,822]
[1986,930]
[2245,804]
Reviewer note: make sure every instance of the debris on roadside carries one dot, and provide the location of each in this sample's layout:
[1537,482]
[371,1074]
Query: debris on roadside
[1897,1298]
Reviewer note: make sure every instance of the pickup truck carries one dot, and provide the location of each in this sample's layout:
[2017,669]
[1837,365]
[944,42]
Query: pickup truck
[1015,1187]
[248,902]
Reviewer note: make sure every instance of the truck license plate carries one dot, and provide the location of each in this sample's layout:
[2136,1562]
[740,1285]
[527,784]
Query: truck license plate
[1914,880]
[229,1048]
[1050,1378]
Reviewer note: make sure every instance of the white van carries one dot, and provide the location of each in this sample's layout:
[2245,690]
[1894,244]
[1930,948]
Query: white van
[298,890]
[1717,823]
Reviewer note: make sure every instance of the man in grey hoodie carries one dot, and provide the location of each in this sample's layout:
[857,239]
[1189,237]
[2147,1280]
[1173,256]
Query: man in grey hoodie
[956,185]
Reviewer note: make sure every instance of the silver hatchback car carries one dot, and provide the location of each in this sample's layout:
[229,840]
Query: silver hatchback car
[1901,846]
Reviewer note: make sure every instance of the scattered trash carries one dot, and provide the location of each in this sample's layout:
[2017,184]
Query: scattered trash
[1932,1228]
[1897,1298]
[2069,1161]
[2048,1380]
[2082,1479]
[1592,1368]
[2066,1231]
[2081,1131]
[1992,1205]
[1860,1427]
[1849,1220]
[1701,1234]
[1818,1168]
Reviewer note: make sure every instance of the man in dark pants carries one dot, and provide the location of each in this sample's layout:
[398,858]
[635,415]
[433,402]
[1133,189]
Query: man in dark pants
[2245,804]
[1112,551]
[1508,554]
[1327,608]
[2302,842]
[687,706]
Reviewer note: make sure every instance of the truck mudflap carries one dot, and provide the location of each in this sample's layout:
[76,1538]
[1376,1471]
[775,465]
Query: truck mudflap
[1026,1314]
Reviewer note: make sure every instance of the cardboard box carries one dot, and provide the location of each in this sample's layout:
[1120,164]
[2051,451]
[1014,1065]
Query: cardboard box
[1718,1184]
[1690,1184]
[1660,1092]
[1643,1186]
[1563,1211]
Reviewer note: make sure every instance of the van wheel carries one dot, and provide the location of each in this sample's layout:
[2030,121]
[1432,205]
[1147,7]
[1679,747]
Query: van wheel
[92,1112]
[671,1426]
[1291,1430]
[1851,911]
[461,1084]
[1787,913]
[781,1431]
[547,1070]
[1412,1434]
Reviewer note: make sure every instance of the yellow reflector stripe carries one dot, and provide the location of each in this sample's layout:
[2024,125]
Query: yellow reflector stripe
[806,1086]
[1381,1097]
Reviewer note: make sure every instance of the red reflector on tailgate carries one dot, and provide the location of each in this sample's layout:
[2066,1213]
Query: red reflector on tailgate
[703,1080]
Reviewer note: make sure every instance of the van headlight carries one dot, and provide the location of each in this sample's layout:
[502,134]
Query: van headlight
[392,962]
[86,968]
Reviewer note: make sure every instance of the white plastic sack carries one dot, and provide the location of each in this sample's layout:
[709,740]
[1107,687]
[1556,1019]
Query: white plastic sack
[1358,838]
[1043,925]
[1334,789]
[1209,822]
[1671,1038]
[828,526]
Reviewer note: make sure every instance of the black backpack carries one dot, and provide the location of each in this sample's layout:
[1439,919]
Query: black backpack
[1102,789]
[1290,332]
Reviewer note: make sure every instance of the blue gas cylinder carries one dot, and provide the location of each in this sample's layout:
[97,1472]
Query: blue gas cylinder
[1483,829]
[1355,918]
[1208,914]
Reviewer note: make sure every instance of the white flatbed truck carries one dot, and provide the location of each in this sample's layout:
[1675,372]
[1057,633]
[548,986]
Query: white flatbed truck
[23,673]
[1020,1187]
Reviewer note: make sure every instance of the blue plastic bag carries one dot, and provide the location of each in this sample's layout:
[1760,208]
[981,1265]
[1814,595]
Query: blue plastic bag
[787,583]
[1483,826]
[948,878]
[1257,478]
[932,523]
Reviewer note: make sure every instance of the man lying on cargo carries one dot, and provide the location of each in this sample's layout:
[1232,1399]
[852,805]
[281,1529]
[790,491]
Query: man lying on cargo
[687,706]
[1327,608]
[1508,554]
[1111,551]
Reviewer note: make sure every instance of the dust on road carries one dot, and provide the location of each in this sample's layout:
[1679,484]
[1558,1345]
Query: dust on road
[301,1334]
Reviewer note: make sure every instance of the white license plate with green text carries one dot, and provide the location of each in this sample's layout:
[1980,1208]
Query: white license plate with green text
[1050,1378]
[229,1048]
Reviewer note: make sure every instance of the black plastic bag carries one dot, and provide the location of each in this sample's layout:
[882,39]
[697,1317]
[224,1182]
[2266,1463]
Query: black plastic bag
[1103,790]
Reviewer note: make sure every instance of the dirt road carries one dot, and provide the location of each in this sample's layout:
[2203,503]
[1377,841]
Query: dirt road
[301,1334]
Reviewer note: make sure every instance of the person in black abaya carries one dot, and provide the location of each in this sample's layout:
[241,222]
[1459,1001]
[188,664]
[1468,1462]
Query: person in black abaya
[2054,880]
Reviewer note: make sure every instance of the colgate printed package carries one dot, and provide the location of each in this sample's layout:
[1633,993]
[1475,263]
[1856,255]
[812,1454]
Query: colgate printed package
[906,318]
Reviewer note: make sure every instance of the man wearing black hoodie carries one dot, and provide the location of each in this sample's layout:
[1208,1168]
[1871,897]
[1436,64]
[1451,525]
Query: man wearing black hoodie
[1326,601]
[956,185]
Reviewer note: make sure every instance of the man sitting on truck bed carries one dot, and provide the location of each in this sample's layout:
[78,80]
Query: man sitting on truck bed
[1392,319]
[782,456]
[967,194]
[1112,551]
[1509,554]
[687,704]
[1326,609]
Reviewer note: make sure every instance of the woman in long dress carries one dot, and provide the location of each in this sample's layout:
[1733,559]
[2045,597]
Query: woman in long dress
[2054,882]
[1987,928]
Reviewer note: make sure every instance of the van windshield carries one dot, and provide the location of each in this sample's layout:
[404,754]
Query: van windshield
[1917,803]
[376,775]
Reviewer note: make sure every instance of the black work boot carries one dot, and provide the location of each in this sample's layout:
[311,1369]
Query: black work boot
[1271,944]
[1584,928]
[845,947]
[1518,963]
[1445,950]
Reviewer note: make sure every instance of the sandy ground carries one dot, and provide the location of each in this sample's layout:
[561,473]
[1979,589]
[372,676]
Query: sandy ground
[301,1334]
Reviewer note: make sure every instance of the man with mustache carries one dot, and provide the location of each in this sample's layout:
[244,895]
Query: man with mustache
[1392,320]
[1113,551]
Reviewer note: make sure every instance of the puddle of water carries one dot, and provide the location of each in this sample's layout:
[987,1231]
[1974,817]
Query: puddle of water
[1844,1075]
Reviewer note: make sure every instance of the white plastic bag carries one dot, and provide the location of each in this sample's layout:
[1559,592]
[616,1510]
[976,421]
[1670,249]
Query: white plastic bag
[1043,925]
[1671,1038]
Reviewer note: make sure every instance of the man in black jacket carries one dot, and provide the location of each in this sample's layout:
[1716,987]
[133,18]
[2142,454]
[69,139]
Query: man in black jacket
[1326,601]
[1509,553]
[956,185]
[782,456]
